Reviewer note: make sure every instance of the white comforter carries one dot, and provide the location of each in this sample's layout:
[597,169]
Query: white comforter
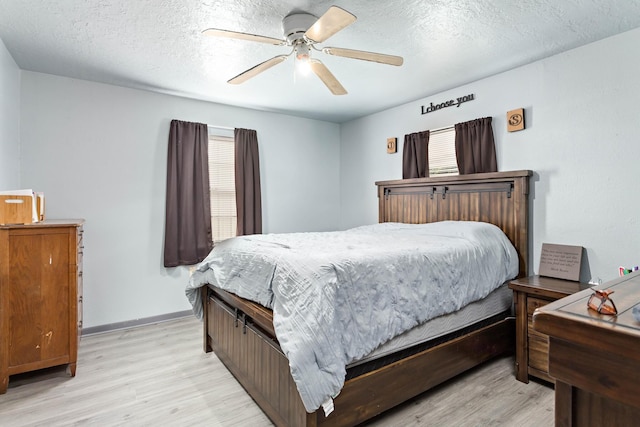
[336,296]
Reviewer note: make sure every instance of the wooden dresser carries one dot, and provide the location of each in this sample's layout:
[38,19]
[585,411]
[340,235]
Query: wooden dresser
[595,358]
[40,296]
[530,293]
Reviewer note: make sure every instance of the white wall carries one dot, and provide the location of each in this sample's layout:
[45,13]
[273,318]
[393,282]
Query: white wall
[99,153]
[9,121]
[582,140]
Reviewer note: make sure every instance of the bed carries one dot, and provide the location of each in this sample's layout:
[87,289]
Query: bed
[242,334]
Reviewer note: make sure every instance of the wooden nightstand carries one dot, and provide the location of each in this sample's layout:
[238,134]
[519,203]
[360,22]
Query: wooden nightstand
[532,347]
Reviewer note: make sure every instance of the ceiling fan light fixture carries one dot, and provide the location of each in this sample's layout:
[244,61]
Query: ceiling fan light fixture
[303,55]
[302,52]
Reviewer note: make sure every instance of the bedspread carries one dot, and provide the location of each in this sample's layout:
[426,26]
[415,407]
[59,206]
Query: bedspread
[336,296]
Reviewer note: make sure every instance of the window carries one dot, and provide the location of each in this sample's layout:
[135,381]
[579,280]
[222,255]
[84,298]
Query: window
[222,187]
[442,152]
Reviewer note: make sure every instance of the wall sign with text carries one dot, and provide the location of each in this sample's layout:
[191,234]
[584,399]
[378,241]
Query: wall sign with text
[561,261]
[450,103]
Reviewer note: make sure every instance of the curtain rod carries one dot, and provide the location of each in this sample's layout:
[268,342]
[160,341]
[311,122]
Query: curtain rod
[221,127]
[442,129]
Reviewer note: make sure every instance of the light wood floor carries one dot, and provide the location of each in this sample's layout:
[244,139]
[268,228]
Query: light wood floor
[158,375]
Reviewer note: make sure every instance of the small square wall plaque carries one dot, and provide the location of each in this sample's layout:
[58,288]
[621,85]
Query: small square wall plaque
[392,145]
[515,120]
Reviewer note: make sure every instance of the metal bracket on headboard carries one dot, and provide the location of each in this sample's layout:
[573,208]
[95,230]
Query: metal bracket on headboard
[419,190]
[506,187]
[431,191]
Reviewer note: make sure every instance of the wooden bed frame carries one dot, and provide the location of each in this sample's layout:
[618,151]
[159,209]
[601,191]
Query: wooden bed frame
[242,336]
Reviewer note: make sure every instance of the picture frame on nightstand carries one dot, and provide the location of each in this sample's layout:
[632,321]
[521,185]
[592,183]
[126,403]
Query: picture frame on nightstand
[561,261]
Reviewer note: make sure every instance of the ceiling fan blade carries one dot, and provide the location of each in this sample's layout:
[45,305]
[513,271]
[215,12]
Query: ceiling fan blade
[327,78]
[333,20]
[214,32]
[366,56]
[254,71]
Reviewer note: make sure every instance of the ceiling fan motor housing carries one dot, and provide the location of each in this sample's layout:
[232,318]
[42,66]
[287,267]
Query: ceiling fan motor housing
[295,25]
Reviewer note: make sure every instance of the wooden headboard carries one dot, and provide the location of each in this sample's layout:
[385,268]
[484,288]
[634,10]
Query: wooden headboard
[500,198]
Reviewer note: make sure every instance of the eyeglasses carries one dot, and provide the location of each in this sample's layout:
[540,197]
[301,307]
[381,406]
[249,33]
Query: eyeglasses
[600,302]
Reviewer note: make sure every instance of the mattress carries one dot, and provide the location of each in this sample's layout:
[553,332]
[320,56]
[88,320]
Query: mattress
[498,301]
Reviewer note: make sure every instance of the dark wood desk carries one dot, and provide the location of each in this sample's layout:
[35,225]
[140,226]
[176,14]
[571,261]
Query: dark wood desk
[594,358]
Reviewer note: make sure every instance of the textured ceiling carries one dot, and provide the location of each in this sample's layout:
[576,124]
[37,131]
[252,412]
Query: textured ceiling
[157,45]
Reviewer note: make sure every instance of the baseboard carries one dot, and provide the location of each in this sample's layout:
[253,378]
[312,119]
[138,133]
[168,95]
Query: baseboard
[136,322]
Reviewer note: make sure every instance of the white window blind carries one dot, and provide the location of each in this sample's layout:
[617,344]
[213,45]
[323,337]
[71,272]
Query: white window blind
[442,152]
[222,186]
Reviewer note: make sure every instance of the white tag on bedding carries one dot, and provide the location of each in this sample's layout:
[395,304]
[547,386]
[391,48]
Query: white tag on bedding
[328,407]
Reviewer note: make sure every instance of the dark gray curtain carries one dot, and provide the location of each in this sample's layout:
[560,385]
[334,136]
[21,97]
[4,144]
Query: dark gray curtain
[475,148]
[188,237]
[415,161]
[248,195]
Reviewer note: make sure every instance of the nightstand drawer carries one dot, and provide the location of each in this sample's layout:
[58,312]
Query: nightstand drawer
[533,303]
[539,351]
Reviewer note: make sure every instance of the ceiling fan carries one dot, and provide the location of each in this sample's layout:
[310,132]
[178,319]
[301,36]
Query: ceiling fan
[302,31]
